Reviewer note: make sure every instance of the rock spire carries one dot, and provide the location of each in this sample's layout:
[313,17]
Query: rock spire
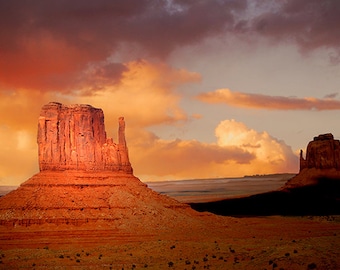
[74,138]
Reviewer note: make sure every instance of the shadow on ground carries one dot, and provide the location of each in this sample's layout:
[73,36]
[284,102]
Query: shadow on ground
[320,199]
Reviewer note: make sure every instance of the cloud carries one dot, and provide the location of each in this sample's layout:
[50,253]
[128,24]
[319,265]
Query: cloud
[238,151]
[259,101]
[311,24]
[49,46]
[180,159]
[331,96]
[146,94]
[271,154]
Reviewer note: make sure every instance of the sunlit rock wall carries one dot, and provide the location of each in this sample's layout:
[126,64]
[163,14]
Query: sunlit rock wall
[74,138]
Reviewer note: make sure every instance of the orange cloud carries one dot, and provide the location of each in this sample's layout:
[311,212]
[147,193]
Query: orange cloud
[154,158]
[146,94]
[48,47]
[259,101]
[271,154]
[43,63]
[237,152]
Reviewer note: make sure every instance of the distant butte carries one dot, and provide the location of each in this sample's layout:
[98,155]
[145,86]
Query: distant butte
[322,162]
[322,153]
[85,177]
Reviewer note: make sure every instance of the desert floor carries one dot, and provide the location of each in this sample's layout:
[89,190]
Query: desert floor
[211,242]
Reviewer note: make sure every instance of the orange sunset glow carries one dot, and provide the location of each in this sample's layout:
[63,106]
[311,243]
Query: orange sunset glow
[207,88]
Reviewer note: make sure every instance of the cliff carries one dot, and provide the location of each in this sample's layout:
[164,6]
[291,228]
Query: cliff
[74,138]
[322,153]
[322,163]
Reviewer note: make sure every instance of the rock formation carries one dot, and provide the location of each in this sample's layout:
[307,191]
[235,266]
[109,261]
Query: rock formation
[74,138]
[85,177]
[322,162]
[322,153]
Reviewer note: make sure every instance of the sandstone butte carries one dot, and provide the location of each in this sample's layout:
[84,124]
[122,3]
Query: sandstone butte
[322,163]
[84,176]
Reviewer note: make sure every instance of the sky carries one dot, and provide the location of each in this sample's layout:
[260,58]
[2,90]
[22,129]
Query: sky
[218,88]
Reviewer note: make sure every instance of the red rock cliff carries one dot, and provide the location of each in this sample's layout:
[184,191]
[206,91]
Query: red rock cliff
[74,138]
[322,153]
[322,163]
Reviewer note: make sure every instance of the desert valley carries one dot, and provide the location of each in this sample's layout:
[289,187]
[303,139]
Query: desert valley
[85,209]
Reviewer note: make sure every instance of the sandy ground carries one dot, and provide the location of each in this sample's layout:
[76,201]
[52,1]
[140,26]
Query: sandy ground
[211,242]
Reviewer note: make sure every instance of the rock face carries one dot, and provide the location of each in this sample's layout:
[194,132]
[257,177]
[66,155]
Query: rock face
[74,138]
[322,162]
[322,153]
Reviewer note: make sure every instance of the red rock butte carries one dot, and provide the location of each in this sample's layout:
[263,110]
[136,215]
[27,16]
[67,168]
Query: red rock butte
[322,162]
[322,153]
[85,177]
